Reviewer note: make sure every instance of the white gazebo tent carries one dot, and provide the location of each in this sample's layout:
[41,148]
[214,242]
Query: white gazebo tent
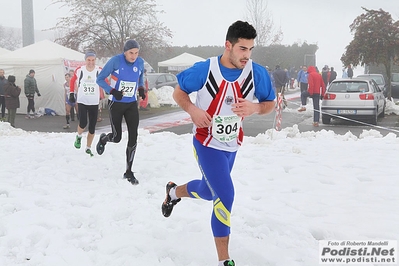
[50,61]
[180,62]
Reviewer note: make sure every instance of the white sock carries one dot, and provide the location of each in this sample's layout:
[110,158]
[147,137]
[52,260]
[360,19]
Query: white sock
[172,193]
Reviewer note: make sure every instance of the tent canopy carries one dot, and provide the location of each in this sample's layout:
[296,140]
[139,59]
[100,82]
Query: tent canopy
[43,52]
[50,61]
[180,62]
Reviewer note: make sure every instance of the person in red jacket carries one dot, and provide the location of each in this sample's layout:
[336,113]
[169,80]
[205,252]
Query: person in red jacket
[316,90]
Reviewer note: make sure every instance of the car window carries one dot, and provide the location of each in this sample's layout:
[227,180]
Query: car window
[358,87]
[379,79]
[337,87]
[395,77]
[350,86]
[376,87]
[152,78]
[170,78]
[161,79]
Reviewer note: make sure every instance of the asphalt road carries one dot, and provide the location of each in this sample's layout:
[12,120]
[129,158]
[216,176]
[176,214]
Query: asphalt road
[257,124]
[55,123]
[253,125]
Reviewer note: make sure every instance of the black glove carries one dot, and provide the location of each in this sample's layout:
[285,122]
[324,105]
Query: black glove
[71,97]
[321,97]
[38,94]
[141,93]
[117,94]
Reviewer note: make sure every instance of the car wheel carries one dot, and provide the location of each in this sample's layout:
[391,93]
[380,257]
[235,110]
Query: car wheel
[373,119]
[326,119]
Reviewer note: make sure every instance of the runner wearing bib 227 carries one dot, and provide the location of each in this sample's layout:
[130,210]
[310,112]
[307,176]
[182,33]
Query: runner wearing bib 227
[127,77]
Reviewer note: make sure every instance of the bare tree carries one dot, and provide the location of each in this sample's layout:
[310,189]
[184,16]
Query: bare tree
[260,17]
[10,39]
[106,24]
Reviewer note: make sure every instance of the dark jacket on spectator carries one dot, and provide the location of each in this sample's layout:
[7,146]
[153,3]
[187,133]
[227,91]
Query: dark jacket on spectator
[280,77]
[30,86]
[333,75]
[350,72]
[3,82]
[11,92]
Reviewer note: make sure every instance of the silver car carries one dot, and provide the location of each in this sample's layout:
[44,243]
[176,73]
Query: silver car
[157,80]
[357,98]
[379,79]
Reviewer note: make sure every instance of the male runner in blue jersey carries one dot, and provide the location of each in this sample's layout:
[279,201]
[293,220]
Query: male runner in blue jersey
[127,76]
[225,86]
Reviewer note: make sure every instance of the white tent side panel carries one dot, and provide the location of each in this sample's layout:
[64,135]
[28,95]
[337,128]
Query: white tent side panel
[50,78]
[50,82]
[50,62]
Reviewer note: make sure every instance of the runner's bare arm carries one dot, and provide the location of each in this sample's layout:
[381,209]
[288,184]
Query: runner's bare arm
[199,117]
[245,108]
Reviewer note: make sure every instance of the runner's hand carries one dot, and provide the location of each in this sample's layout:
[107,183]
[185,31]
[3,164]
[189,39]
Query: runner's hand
[141,92]
[71,97]
[243,107]
[200,117]
[117,94]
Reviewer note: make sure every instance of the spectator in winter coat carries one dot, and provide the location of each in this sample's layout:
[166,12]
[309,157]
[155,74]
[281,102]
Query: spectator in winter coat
[344,73]
[3,82]
[316,90]
[333,74]
[287,80]
[325,74]
[11,92]
[30,87]
[292,77]
[350,72]
[303,78]
[280,79]
[271,78]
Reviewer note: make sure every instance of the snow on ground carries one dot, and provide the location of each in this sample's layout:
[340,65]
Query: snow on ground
[60,207]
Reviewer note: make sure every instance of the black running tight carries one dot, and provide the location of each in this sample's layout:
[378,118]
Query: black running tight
[90,111]
[130,112]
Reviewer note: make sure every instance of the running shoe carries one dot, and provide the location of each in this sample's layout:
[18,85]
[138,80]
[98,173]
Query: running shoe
[130,177]
[168,204]
[88,151]
[101,144]
[229,263]
[66,126]
[77,142]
